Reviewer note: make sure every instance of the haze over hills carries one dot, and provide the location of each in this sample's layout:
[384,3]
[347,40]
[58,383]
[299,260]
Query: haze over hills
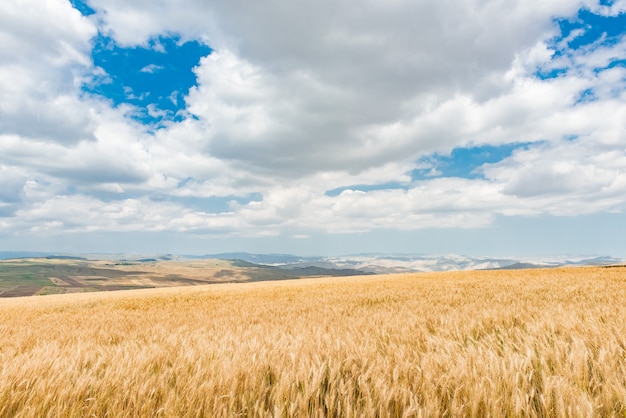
[397,263]
[29,274]
[367,263]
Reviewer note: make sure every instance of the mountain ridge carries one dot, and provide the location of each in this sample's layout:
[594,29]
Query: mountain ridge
[376,263]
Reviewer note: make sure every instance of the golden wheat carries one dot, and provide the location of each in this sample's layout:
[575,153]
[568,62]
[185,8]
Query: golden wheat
[532,343]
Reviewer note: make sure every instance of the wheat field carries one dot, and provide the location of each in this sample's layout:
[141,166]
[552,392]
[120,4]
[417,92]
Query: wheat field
[536,343]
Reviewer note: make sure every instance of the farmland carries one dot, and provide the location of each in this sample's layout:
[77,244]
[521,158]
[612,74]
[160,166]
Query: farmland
[478,343]
[44,276]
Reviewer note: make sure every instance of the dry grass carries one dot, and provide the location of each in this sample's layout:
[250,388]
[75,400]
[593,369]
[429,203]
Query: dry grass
[519,343]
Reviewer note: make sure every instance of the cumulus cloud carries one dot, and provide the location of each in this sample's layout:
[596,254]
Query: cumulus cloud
[43,57]
[86,214]
[323,109]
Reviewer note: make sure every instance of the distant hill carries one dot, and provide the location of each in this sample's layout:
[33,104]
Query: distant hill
[356,263]
[520,266]
[596,261]
[6,255]
[268,259]
[321,271]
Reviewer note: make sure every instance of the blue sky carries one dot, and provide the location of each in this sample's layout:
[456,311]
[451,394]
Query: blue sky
[239,127]
[154,79]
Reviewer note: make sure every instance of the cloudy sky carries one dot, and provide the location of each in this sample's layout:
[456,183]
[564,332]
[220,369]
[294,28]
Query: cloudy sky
[480,127]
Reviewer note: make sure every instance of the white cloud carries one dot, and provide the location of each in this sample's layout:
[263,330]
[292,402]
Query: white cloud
[87,214]
[151,68]
[567,178]
[43,56]
[617,7]
[13,181]
[300,98]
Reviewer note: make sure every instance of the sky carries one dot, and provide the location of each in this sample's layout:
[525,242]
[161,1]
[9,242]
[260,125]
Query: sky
[477,127]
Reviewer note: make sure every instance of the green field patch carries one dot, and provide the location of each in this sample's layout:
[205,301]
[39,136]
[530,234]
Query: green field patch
[45,276]
[25,274]
[50,290]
